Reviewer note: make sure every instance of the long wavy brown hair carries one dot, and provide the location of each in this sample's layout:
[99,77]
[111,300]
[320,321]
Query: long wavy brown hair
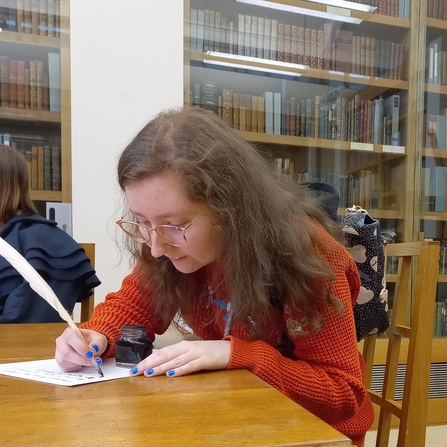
[14,193]
[268,225]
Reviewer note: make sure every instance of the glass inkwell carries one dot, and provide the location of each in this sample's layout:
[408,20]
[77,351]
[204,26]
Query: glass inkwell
[133,346]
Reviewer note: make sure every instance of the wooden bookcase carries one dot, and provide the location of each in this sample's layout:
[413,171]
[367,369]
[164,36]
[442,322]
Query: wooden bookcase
[31,31]
[380,170]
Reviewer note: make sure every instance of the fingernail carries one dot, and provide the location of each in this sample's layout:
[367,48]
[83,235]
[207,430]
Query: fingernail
[95,347]
[149,372]
[171,373]
[134,370]
[89,354]
[99,362]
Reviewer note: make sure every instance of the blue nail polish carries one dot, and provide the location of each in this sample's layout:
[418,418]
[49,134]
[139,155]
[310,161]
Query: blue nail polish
[171,373]
[95,347]
[99,362]
[89,355]
[149,372]
[134,370]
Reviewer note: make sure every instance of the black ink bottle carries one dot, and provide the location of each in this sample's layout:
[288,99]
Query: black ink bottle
[133,346]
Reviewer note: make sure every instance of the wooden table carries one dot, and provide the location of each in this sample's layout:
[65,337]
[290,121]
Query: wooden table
[219,408]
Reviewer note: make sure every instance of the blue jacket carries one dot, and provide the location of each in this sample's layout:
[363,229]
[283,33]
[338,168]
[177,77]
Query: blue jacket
[56,256]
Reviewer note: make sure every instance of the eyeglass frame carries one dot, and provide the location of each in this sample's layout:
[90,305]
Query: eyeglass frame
[149,230]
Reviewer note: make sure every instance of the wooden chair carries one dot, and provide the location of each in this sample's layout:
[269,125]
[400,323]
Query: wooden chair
[88,304]
[417,307]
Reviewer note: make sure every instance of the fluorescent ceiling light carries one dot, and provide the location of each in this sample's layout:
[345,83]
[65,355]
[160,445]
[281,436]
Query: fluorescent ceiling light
[238,57]
[250,67]
[345,4]
[339,14]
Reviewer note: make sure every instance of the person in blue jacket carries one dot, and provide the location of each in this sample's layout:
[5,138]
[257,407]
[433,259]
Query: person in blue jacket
[58,258]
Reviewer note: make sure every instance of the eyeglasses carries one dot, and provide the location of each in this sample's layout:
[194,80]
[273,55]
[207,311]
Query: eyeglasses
[172,235]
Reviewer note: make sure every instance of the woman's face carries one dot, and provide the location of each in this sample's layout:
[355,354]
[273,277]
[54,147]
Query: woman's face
[162,200]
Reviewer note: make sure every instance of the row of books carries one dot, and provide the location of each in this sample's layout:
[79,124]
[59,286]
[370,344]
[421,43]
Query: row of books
[332,117]
[31,84]
[43,163]
[436,62]
[361,190]
[44,167]
[40,17]
[325,48]
[433,187]
[437,9]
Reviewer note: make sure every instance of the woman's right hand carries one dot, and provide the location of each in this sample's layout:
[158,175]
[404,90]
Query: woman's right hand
[72,353]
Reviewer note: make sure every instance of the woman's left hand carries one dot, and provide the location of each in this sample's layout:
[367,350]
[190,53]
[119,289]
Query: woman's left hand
[184,358]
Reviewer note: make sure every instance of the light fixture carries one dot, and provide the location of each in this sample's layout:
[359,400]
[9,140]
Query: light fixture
[239,57]
[233,61]
[333,13]
[346,4]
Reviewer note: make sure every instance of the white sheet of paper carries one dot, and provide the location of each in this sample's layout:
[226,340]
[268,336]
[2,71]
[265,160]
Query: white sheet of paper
[47,371]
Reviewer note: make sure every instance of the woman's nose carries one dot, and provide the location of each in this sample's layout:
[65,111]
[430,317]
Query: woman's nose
[157,245]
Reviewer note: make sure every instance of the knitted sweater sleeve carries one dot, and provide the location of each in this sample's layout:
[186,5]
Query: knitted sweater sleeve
[127,306]
[327,378]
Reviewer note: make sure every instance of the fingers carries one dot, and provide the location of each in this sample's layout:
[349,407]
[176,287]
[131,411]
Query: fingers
[184,358]
[72,353]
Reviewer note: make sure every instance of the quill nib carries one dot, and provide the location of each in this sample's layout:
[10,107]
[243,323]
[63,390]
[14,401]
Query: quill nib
[97,367]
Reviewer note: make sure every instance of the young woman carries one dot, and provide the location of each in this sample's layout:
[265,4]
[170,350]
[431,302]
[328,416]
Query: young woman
[251,262]
[52,252]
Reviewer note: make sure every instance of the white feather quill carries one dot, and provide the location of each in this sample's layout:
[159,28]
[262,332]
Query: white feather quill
[39,285]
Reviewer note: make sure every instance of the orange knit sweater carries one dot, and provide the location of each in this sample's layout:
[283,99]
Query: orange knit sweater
[327,378]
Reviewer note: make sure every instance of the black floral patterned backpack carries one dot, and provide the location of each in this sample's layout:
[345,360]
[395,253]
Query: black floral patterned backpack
[365,244]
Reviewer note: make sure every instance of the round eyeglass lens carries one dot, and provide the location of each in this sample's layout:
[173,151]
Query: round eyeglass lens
[172,235]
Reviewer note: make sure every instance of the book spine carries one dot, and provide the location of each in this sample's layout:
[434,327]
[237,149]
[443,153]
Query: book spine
[54,81]
[267,38]
[193,30]
[39,85]
[47,168]
[35,8]
[281,42]
[254,113]
[20,28]
[43,17]
[21,84]
[254,37]
[56,168]
[268,112]
[34,170]
[51,22]
[236,110]
[301,45]
[227,105]
[277,113]
[4,80]
[261,114]
[240,34]
[247,35]
[307,46]
[261,37]
[40,168]
[274,41]
[13,83]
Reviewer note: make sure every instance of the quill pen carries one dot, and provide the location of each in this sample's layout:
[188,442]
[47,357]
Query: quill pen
[38,284]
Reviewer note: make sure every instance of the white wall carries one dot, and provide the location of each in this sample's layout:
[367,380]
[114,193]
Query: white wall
[126,65]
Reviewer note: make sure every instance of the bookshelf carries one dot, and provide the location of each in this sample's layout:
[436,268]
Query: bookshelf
[355,103]
[35,93]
